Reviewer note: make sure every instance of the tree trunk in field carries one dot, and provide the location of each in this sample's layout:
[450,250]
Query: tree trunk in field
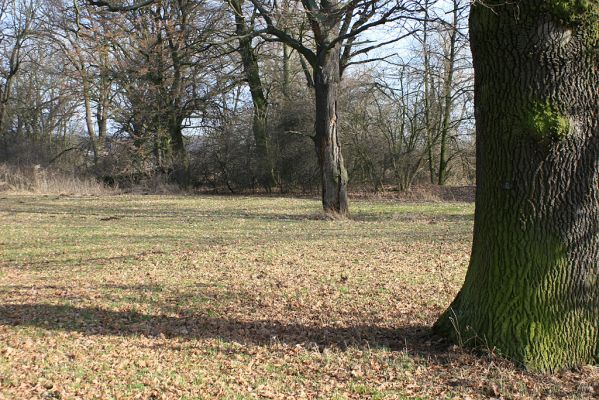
[328,149]
[532,287]
[102,120]
[430,136]
[103,100]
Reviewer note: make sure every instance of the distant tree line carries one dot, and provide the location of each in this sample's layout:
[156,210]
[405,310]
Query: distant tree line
[237,95]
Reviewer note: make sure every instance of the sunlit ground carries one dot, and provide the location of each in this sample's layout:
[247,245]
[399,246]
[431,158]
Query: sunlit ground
[240,298]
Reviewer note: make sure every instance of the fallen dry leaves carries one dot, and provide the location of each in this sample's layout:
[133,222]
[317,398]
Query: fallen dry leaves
[143,297]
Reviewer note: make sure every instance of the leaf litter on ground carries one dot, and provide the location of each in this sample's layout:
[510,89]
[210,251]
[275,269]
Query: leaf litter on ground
[166,297]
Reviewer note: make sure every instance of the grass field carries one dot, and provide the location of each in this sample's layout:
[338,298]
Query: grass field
[238,298]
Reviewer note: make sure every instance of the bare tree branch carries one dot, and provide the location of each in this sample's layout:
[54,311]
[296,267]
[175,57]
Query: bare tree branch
[119,8]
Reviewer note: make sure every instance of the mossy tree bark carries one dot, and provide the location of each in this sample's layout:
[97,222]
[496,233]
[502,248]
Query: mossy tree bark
[532,287]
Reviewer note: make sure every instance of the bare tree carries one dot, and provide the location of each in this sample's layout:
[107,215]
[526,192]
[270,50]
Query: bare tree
[251,68]
[17,19]
[446,74]
[334,29]
[85,47]
[166,72]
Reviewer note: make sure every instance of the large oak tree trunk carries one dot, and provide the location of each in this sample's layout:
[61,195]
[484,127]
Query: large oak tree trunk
[328,149]
[532,287]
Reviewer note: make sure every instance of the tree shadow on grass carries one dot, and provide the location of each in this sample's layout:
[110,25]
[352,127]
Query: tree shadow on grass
[75,261]
[415,339]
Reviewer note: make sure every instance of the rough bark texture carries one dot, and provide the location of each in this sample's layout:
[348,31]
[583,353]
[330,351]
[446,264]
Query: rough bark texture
[532,288]
[328,148]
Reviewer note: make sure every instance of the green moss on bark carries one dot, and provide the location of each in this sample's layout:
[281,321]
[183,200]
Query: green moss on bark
[569,11]
[580,14]
[518,303]
[546,124]
[530,291]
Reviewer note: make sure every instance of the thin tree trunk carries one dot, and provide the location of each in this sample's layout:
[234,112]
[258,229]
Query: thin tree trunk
[102,120]
[532,287]
[2,110]
[88,115]
[427,97]
[264,160]
[286,72]
[328,149]
[103,102]
[265,164]
[447,100]
[5,93]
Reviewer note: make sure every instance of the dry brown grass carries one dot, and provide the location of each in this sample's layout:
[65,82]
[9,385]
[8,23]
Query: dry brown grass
[34,179]
[241,298]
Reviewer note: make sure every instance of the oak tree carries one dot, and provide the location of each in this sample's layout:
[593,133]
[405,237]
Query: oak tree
[532,288]
[329,48]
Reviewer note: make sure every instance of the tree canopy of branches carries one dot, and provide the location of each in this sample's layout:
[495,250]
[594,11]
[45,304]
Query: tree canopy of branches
[127,91]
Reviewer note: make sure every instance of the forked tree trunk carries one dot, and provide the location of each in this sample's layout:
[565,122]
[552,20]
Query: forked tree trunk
[328,149]
[532,287]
